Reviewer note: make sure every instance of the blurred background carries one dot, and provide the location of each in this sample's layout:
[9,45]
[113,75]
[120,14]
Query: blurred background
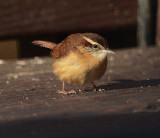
[124,23]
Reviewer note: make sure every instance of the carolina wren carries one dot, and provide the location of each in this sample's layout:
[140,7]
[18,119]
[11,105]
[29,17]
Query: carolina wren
[80,58]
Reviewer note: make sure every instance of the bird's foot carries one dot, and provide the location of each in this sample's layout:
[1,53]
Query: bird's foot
[95,89]
[98,90]
[101,90]
[66,92]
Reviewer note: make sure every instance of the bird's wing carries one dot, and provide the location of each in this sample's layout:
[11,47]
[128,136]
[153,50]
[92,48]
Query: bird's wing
[63,48]
[68,44]
[45,44]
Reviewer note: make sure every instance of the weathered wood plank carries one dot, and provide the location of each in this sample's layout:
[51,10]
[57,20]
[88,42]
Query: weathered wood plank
[9,49]
[158,24]
[39,17]
[146,23]
[129,106]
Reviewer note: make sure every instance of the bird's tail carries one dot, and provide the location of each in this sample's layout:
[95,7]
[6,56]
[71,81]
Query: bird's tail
[45,44]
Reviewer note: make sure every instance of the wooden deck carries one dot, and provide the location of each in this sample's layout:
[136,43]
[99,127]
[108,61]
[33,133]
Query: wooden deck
[129,106]
[34,17]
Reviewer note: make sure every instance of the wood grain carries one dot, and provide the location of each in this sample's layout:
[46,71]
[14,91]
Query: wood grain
[47,16]
[129,105]
[158,24]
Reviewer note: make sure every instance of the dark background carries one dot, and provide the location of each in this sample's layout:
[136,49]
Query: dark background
[118,21]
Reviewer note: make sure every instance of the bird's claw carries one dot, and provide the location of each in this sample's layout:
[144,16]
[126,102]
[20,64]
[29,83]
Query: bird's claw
[66,92]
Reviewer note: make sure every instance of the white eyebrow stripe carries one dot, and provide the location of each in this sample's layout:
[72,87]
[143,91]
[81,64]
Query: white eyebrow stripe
[91,41]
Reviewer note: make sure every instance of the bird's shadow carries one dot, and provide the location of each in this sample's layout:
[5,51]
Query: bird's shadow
[125,84]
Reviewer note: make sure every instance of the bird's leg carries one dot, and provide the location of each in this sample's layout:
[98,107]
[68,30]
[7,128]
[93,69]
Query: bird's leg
[63,91]
[63,86]
[94,87]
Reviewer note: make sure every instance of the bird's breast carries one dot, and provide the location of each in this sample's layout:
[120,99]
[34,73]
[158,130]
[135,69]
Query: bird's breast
[77,68]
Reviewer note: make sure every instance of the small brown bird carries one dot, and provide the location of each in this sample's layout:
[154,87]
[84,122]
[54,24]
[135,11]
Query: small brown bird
[80,58]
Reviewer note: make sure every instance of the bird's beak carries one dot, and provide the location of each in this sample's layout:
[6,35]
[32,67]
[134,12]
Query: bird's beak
[108,51]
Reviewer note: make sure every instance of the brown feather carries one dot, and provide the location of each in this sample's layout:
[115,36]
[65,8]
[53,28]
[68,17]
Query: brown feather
[69,44]
[45,44]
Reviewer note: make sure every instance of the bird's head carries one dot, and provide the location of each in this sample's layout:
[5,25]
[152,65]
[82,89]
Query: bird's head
[96,45]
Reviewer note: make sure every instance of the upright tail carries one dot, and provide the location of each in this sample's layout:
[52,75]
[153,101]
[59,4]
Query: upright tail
[45,44]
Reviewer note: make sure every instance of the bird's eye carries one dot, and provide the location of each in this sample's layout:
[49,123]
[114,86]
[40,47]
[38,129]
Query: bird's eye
[95,46]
